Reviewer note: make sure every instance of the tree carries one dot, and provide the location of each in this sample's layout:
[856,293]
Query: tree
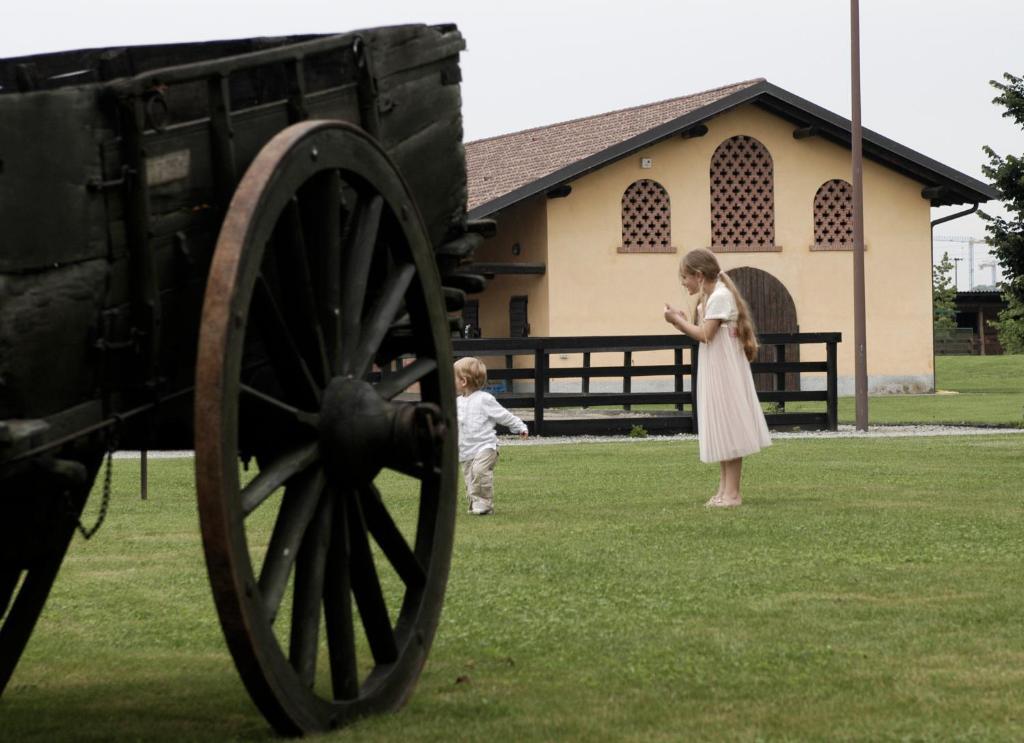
[943,297]
[1010,325]
[1006,235]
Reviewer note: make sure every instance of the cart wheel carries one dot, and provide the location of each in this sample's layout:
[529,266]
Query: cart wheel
[24,592]
[37,523]
[325,355]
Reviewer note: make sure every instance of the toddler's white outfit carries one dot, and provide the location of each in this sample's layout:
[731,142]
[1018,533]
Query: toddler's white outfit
[478,414]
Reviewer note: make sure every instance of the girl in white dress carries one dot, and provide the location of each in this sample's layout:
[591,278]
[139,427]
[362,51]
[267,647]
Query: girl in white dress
[730,422]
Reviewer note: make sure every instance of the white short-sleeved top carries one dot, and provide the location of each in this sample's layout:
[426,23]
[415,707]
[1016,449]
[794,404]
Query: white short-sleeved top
[721,305]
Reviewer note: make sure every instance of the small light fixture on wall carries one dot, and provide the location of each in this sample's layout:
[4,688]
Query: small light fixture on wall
[516,249]
[646,163]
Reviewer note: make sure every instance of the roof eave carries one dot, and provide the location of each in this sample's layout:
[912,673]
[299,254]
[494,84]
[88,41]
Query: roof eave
[616,152]
[957,187]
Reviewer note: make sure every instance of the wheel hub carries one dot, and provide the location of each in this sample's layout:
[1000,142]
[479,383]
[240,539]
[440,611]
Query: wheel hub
[361,433]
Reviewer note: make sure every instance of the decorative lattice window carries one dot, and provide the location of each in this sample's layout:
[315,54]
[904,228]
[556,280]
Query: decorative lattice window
[742,197]
[646,219]
[833,216]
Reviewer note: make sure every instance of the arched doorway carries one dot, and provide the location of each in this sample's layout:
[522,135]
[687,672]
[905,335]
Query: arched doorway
[774,312]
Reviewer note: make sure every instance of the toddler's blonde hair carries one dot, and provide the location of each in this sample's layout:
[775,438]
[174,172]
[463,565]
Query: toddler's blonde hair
[473,371]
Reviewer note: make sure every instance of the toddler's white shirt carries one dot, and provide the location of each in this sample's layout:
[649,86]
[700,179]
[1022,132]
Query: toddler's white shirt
[479,412]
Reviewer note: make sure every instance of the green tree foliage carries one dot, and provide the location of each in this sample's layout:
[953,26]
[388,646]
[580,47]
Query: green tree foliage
[943,297]
[1006,234]
[1010,325]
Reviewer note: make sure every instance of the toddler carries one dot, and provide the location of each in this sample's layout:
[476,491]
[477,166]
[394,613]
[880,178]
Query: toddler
[479,412]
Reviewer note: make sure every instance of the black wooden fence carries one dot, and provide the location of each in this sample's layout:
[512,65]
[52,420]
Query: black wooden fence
[681,419]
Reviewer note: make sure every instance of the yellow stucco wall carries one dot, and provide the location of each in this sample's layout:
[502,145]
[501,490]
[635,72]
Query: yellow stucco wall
[591,289]
[524,224]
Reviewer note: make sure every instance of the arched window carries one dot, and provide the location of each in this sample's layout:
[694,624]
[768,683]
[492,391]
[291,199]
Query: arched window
[833,216]
[646,219]
[742,197]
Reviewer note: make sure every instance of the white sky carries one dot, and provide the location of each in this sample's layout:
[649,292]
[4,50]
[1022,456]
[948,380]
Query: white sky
[925,67]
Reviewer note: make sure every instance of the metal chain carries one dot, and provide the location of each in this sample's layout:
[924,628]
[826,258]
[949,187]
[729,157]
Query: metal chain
[104,502]
[112,445]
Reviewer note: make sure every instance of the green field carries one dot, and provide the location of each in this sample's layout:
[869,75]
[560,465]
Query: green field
[989,391]
[867,590]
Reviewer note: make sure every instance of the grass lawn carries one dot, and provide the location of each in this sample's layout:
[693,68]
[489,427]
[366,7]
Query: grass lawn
[869,589]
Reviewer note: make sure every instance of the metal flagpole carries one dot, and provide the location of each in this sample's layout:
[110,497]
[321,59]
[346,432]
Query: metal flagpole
[859,323]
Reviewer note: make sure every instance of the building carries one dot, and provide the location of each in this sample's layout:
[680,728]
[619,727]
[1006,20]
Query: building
[594,214]
[974,310]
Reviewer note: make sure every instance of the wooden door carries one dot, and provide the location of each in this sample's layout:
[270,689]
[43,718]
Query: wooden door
[518,321]
[471,319]
[773,311]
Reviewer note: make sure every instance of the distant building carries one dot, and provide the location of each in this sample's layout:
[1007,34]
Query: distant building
[594,215]
[974,310]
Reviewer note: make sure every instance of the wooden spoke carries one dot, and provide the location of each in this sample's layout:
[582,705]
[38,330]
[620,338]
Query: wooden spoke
[426,522]
[273,405]
[391,385]
[323,215]
[341,643]
[280,471]
[284,351]
[366,588]
[9,577]
[310,568]
[300,308]
[359,254]
[419,472]
[390,539]
[387,306]
[297,509]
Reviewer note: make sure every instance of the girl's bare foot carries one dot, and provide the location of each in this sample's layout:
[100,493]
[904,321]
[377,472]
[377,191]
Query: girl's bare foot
[725,501]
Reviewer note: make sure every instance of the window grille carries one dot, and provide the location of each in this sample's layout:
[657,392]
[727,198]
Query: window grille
[742,197]
[646,219]
[833,216]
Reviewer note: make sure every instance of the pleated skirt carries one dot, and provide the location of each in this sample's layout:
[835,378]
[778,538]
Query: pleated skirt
[730,422]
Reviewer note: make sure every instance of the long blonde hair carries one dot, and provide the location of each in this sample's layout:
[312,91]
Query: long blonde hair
[705,262]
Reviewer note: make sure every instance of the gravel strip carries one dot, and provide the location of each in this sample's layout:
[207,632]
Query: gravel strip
[844,432]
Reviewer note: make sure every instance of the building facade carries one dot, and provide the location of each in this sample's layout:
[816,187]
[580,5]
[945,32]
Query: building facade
[594,215]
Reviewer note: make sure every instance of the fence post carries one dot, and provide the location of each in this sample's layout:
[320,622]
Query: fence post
[678,376]
[780,377]
[627,376]
[831,384]
[540,382]
[586,377]
[695,358]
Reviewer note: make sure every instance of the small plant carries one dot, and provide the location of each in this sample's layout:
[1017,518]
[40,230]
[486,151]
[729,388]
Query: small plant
[772,407]
[638,432]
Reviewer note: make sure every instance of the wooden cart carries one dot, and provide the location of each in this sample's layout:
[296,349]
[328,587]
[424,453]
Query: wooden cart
[245,248]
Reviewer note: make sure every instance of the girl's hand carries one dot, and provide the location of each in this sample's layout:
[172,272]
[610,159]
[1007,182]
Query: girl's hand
[674,316]
[524,435]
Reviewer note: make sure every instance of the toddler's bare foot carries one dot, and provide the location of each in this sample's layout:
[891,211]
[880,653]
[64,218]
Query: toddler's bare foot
[714,500]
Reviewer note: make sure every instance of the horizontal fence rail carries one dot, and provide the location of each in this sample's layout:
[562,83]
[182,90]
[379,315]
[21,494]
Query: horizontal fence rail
[523,379]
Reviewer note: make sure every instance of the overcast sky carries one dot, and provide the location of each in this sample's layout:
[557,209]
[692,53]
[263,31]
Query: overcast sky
[925,67]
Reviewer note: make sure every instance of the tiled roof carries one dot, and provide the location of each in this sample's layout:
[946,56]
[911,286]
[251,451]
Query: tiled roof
[499,165]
